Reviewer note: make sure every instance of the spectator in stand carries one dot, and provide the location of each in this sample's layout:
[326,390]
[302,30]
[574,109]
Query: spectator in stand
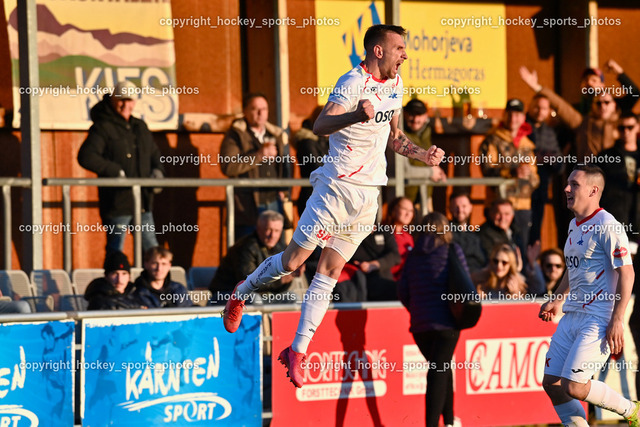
[511,154]
[595,132]
[620,165]
[501,276]
[8,307]
[400,216]
[593,84]
[465,234]
[375,257]
[118,146]
[114,291]
[499,228]
[418,128]
[254,148]
[311,150]
[154,288]
[552,266]
[548,157]
[247,254]
[421,290]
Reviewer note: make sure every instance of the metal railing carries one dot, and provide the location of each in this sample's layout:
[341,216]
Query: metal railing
[229,184]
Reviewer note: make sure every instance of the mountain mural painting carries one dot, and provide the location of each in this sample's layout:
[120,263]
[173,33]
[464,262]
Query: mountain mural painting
[84,49]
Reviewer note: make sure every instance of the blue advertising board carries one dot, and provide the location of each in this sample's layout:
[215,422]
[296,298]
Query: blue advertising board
[36,374]
[181,370]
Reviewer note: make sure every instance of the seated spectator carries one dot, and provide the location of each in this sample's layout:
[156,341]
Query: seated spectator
[311,150]
[501,276]
[375,256]
[464,234]
[511,154]
[114,291]
[552,266]
[620,165]
[154,288]
[499,228]
[250,149]
[400,215]
[247,254]
[9,307]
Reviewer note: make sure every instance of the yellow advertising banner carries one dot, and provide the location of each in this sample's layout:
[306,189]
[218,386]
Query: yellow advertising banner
[85,48]
[453,48]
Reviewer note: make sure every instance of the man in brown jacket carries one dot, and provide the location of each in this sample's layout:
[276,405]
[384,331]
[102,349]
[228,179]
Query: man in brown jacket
[511,154]
[254,148]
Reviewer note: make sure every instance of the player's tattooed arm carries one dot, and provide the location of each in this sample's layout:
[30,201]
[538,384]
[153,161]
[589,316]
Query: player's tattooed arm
[403,146]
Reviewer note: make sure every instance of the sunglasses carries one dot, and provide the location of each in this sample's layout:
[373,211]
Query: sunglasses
[499,261]
[599,103]
[622,128]
[553,265]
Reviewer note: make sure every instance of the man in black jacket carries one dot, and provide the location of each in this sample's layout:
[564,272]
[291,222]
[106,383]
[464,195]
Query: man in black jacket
[465,234]
[620,164]
[120,145]
[114,291]
[247,254]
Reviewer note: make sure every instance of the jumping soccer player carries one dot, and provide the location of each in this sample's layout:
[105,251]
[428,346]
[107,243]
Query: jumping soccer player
[361,117]
[597,287]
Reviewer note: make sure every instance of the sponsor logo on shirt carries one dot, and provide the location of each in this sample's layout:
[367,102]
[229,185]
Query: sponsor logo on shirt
[620,252]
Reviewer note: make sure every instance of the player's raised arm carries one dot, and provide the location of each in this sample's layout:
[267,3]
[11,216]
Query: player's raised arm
[615,330]
[334,117]
[399,143]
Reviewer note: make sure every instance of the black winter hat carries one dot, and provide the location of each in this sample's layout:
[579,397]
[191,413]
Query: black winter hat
[116,261]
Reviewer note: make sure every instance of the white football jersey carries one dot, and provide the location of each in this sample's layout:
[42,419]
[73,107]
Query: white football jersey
[595,247]
[356,153]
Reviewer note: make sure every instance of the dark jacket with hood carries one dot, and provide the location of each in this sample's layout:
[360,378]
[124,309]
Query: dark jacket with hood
[113,145]
[102,295]
[424,282]
[172,294]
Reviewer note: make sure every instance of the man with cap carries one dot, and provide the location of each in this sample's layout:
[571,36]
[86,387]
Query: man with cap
[114,291]
[418,128]
[120,145]
[509,153]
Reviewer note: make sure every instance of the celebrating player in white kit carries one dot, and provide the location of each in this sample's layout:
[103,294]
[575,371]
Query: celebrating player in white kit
[361,117]
[595,291]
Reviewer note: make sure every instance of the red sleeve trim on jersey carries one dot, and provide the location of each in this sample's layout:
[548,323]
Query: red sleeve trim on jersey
[599,274]
[349,148]
[378,96]
[588,218]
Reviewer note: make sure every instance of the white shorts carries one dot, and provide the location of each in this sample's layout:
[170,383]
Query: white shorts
[578,348]
[339,215]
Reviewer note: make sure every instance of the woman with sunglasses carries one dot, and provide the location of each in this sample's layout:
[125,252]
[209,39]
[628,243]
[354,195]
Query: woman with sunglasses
[552,265]
[422,286]
[501,276]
